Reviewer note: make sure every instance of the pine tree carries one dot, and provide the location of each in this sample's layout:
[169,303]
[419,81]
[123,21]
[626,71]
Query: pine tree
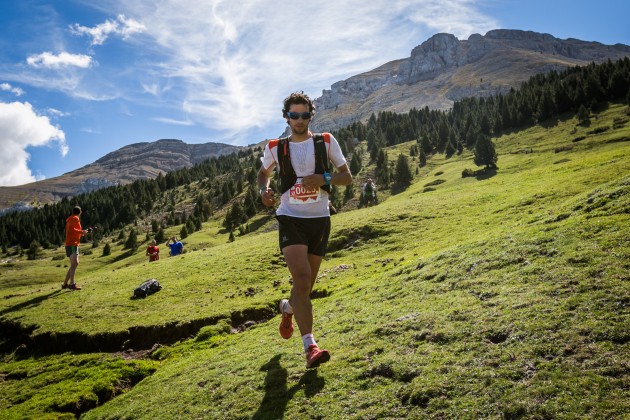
[235,216]
[583,115]
[107,249]
[403,174]
[485,153]
[334,197]
[251,201]
[33,250]
[348,194]
[132,240]
[382,168]
[190,225]
[423,157]
[355,164]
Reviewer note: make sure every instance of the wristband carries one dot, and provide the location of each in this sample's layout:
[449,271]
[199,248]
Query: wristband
[327,178]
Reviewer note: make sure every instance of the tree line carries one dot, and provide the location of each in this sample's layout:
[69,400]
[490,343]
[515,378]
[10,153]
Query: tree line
[543,96]
[230,179]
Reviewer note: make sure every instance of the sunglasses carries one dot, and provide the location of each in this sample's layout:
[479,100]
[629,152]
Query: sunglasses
[296,115]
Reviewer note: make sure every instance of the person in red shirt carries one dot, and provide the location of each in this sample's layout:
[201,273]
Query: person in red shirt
[74,231]
[153,251]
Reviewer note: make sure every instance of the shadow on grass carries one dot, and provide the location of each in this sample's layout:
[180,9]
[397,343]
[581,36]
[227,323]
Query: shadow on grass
[254,226]
[277,393]
[485,173]
[30,303]
[124,255]
[398,188]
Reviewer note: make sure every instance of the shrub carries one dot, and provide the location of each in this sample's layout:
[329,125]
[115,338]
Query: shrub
[467,173]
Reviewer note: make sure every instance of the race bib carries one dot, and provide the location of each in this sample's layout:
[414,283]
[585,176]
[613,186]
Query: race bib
[299,194]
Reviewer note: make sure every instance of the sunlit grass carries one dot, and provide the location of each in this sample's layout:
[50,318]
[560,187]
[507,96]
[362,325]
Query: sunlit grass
[500,297]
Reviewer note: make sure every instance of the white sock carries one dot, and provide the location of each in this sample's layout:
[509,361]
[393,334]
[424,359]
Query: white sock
[287,308]
[308,339]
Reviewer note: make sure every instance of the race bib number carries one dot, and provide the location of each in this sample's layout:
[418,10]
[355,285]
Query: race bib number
[299,194]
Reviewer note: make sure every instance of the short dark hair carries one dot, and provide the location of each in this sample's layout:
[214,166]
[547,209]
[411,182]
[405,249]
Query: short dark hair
[297,98]
[76,210]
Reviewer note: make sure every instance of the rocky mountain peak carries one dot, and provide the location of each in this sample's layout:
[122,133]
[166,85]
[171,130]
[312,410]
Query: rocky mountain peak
[444,69]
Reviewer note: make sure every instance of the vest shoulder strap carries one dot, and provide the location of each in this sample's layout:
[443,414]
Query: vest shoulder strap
[322,152]
[322,164]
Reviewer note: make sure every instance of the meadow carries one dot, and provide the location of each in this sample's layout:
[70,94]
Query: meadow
[500,296]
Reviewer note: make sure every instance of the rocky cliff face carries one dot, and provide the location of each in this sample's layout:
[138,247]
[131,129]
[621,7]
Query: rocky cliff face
[123,166]
[444,69]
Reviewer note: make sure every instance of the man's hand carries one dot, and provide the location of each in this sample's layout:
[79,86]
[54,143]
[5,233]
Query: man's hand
[268,197]
[313,181]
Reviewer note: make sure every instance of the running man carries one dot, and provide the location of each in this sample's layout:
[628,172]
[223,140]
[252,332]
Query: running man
[303,214]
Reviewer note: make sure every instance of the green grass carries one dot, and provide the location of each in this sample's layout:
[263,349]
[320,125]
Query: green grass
[499,297]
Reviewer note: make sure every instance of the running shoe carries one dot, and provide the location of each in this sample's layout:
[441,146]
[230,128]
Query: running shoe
[286,325]
[316,356]
[74,286]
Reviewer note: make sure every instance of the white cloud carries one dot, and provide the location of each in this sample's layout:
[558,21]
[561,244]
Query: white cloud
[234,62]
[151,88]
[122,27]
[64,59]
[20,128]
[15,90]
[56,113]
[173,121]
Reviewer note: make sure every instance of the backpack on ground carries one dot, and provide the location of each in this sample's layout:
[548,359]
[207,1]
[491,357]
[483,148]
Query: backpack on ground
[147,288]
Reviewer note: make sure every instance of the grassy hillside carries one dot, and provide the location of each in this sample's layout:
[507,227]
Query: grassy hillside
[501,296]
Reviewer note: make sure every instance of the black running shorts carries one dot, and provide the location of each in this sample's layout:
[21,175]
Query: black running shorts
[312,232]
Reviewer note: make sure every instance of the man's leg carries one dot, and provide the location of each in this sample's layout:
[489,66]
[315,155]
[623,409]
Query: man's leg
[314,261]
[297,260]
[304,268]
[74,262]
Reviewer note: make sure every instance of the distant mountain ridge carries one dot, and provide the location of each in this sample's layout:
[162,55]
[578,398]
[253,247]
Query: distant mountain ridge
[438,72]
[160,156]
[123,166]
[444,69]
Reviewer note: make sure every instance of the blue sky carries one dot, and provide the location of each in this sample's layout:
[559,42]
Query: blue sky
[82,78]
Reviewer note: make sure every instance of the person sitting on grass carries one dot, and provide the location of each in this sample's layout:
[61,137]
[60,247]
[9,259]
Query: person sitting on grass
[153,251]
[176,247]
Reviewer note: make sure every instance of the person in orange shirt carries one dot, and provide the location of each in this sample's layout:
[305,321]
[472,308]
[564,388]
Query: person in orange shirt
[74,231]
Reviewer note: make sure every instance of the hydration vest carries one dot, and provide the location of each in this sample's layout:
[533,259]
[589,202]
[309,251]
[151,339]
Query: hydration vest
[286,171]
